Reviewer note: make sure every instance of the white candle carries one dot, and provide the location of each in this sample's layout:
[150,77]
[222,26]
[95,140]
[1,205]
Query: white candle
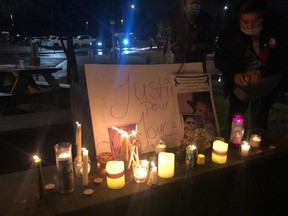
[115,174]
[85,167]
[166,164]
[219,152]
[245,149]
[153,174]
[79,141]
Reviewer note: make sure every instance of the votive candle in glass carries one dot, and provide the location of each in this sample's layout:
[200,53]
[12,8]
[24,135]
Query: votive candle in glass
[255,141]
[140,170]
[64,167]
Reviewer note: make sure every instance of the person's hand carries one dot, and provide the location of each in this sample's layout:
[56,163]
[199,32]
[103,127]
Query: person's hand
[251,77]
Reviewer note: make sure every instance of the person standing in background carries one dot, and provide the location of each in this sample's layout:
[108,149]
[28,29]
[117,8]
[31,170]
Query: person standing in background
[191,33]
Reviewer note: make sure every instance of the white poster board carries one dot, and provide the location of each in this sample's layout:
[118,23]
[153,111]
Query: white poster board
[142,95]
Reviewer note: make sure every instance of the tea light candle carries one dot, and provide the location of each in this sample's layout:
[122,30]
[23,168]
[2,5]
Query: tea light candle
[255,140]
[115,174]
[79,141]
[38,165]
[85,167]
[245,149]
[166,164]
[219,152]
[201,159]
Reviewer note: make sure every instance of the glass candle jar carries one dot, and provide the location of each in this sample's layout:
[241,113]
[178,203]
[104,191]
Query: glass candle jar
[64,167]
[237,130]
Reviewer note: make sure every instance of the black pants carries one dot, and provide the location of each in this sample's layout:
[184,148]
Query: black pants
[259,109]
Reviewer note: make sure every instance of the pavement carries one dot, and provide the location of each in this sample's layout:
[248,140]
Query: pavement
[129,56]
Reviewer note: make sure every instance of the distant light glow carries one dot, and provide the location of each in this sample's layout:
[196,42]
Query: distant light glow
[125,41]
[225,7]
[132,6]
[99,43]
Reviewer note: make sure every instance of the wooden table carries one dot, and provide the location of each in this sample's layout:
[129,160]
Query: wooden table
[24,77]
[243,186]
[25,89]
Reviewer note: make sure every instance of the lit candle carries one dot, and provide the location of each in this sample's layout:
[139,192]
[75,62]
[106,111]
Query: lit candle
[140,171]
[38,165]
[219,152]
[245,149]
[191,156]
[255,141]
[85,167]
[166,164]
[201,159]
[115,174]
[79,141]
[64,167]
[153,174]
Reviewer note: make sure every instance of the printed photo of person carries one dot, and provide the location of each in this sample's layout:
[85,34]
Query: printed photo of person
[193,121]
[201,104]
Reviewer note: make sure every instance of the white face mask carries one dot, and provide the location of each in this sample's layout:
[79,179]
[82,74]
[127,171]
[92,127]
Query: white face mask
[194,10]
[251,32]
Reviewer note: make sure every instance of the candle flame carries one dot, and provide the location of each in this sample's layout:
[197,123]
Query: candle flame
[35,157]
[245,143]
[193,147]
[77,123]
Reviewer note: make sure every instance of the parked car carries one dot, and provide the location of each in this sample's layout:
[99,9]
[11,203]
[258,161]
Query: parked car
[98,44]
[54,42]
[83,41]
[38,40]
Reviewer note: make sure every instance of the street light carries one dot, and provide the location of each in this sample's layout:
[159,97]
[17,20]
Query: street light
[87,26]
[12,21]
[122,25]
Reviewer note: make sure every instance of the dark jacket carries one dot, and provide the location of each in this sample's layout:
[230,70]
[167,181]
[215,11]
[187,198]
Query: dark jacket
[185,34]
[233,44]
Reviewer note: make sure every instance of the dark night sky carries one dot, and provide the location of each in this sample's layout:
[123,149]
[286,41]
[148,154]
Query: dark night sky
[147,14]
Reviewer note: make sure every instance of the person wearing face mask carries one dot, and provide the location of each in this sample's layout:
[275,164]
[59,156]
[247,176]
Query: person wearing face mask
[191,33]
[251,54]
